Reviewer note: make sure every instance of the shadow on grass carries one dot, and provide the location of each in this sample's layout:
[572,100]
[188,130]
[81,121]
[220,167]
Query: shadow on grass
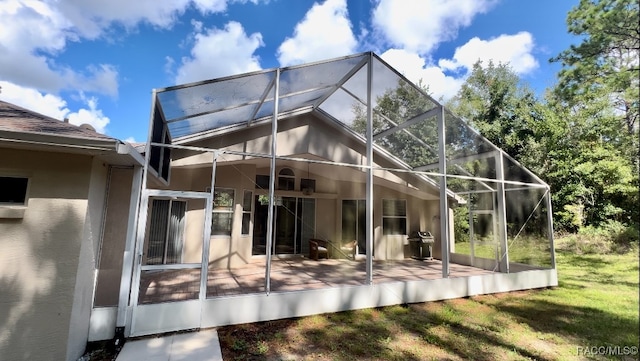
[587,325]
[585,261]
[466,340]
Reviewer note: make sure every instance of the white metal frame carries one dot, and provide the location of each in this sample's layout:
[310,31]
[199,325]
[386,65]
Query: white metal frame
[201,312]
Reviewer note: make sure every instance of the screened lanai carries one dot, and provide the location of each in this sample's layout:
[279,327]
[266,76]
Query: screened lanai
[259,166]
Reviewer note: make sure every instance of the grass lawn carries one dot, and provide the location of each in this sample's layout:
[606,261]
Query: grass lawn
[595,304]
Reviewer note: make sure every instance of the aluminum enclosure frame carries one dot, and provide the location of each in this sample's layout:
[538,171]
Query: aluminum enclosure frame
[165,140]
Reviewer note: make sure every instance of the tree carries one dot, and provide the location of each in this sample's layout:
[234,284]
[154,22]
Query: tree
[505,111]
[606,63]
[598,95]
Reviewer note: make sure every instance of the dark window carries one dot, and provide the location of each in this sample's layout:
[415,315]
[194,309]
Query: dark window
[307,185]
[286,180]
[13,190]
[262,181]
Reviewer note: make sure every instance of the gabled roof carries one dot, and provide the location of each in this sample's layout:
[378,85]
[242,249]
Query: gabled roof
[405,117]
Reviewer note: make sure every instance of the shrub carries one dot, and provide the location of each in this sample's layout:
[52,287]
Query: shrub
[612,237]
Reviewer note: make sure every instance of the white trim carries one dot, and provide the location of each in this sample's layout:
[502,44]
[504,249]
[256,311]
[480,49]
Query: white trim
[260,307]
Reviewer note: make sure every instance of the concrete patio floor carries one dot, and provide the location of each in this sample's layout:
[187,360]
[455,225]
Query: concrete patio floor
[289,274]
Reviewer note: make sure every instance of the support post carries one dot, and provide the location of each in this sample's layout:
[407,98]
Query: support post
[444,202]
[129,255]
[141,220]
[550,229]
[369,183]
[502,215]
[272,180]
[472,241]
[206,232]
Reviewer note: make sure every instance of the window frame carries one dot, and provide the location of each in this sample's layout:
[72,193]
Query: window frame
[229,211]
[246,213]
[286,182]
[16,209]
[386,217]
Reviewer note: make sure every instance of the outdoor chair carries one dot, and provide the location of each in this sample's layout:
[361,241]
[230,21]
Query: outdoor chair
[349,249]
[318,248]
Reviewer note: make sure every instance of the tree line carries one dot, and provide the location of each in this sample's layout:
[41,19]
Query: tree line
[581,135]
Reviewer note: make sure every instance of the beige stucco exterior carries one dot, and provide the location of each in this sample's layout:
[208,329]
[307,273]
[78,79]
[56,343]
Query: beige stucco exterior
[48,255]
[306,137]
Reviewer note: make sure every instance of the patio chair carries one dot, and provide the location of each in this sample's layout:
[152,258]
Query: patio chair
[349,249]
[318,248]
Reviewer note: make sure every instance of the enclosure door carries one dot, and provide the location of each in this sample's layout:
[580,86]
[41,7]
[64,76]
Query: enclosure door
[172,270]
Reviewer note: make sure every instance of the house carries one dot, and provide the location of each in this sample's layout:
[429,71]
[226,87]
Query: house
[301,190]
[53,180]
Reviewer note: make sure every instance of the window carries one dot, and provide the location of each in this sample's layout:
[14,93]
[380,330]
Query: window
[286,180]
[247,205]
[262,181]
[222,217]
[13,190]
[307,186]
[166,232]
[354,222]
[394,216]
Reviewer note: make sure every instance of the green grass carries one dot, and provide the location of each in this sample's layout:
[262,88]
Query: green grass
[531,250]
[595,304]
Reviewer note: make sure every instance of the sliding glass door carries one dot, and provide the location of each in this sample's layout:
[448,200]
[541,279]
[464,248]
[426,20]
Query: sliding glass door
[294,224]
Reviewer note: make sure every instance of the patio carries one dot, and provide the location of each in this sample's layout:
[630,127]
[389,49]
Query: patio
[290,274]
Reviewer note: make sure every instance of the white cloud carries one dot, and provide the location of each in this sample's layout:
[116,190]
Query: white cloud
[35,32]
[47,104]
[220,52]
[419,26]
[325,32]
[513,49]
[92,116]
[91,17]
[54,106]
[415,68]
[445,78]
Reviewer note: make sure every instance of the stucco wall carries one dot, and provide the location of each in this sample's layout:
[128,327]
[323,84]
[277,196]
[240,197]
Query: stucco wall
[40,256]
[84,288]
[114,237]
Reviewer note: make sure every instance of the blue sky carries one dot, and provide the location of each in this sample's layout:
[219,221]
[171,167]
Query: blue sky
[97,62]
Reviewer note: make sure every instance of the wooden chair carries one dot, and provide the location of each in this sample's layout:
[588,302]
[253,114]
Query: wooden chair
[318,248]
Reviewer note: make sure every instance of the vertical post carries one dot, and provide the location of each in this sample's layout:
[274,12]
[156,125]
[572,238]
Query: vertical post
[550,229]
[129,249]
[206,232]
[444,202]
[141,224]
[472,241]
[272,180]
[369,185]
[502,214]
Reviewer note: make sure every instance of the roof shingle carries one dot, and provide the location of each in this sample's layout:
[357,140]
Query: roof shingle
[20,120]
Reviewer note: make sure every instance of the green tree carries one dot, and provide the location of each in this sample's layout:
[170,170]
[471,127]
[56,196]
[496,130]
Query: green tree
[598,94]
[605,64]
[495,102]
